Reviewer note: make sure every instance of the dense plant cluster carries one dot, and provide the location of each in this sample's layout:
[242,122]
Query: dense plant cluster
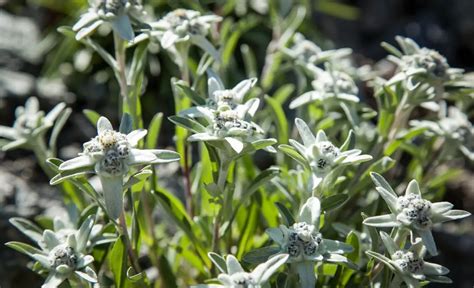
[316,215]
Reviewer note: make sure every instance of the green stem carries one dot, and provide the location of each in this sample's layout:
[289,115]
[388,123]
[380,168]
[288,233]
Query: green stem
[183,50]
[129,104]
[131,253]
[221,183]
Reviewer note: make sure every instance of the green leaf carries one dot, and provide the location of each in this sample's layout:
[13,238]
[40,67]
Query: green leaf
[294,154]
[187,123]
[176,211]
[154,131]
[191,94]
[219,261]
[282,94]
[333,201]
[246,236]
[126,124]
[92,116]
[167,275]
[286,214]
[349,143]
[58,126]
[280,119]
[260,255]
[263,178]
[380,181]
[390,48]
[118,262]
[23,248]
[28,228]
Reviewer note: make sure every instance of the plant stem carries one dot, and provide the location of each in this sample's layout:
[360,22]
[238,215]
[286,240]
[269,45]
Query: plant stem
[187,182]
[183,50]
[221,181]
[131,253]
[128,104]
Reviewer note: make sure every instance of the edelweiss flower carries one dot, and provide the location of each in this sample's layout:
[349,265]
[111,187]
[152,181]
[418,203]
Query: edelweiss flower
[30,124]
[306,52]
[119,13]
[409,265]
[234,276]
[111,153]
[319,154]
[183,25]
[412,211]
[414,62]
[304,243]
[63,255]
[454,126]
[242,7]
[328,85]
[226,119]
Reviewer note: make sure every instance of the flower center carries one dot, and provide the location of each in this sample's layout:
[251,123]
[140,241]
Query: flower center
[408,261]
[114,148]
[242,279]
[303,239]
[435,64]
[63,255]
[323,153]
[416,209]
[227,123]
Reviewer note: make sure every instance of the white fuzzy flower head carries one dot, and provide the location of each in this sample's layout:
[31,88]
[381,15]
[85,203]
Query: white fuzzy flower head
[408,261]
[234,276]
[335,82]
[242,280]
[183,25]
[114,149]
[435,64]
[413,212]
[224,99]
[109,9]
[30,125]
[303,240]
[322,155]
[319,154]
[416,210]
[184,22]
[63,255]
[228,123]
[414,62]
[111,154]
[305,50]
[119,13]
[408,264]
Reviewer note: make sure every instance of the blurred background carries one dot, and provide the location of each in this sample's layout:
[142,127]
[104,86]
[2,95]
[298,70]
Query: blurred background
[37,60]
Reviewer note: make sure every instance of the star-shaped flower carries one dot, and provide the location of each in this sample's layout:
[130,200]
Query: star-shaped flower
[234,276]
[119,13]
[329,85]
[319,154]
[111,154]
[304,243]
[306,52]
[412,211]
[408,264]
[62,255]
[183,25]
[30,125]
[226,121]
[454,126]
[415,63]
